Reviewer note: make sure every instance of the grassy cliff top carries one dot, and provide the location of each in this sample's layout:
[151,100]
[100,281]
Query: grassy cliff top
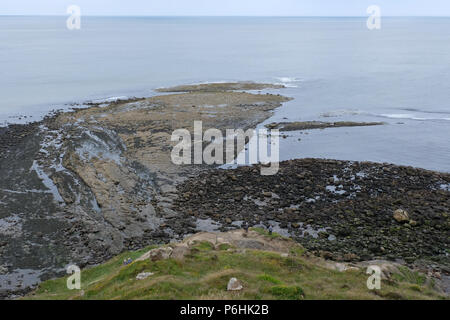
[206,266]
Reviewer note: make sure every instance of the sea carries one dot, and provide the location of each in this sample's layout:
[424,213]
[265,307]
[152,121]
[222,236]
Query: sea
[336,69]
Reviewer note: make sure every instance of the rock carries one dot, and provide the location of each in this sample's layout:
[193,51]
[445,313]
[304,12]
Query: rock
[144,275]
[267,194]
[251,244]
[157,254]
[327,255]
[234,285]
[3,269]
[180,251]
[341,267]
[187,195]
[350,257]
[387,268]
[344,231]
[323,235]
[351,268]
[401,216]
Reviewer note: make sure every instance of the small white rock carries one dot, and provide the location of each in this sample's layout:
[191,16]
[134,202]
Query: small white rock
[144,275]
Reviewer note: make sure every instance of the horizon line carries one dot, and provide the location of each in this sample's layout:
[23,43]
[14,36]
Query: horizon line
[223,16]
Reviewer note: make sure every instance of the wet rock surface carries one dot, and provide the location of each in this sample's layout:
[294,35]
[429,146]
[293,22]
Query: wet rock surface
[338,209]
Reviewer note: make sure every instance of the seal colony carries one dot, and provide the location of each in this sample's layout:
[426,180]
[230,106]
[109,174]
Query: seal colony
[82,186]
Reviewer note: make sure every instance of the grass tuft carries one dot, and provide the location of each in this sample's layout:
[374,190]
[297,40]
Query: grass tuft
[288,292]
[269,278]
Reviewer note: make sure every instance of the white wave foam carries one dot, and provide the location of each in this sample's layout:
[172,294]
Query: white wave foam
[339,113]
[411,116]
[288,79]
[110,99]
[288,82]
[427,111]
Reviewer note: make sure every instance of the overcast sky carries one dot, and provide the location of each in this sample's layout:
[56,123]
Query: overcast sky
[228,7]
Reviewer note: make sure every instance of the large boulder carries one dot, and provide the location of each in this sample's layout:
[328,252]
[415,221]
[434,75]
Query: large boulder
[161,253]
[234,285]
[401,216]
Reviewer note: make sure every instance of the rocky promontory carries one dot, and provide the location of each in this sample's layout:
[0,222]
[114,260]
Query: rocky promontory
[81,187]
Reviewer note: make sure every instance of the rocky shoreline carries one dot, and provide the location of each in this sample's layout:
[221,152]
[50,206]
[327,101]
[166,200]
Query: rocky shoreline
[339,209]
[82,186]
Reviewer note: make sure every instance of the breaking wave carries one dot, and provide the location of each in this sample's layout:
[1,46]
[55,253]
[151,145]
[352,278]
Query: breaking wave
[289,82]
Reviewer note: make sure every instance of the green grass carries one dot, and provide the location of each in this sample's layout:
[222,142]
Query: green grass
[264,232]
[224,246]
[288,292]
[414,277]
[269,278]
[205,272]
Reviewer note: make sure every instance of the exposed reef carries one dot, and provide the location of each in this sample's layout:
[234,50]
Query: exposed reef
[216,87]
[309,125]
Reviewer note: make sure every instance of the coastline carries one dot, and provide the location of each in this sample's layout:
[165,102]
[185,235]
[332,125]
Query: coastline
[85,185]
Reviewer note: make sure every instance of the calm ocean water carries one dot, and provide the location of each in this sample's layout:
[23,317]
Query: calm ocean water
[335,68]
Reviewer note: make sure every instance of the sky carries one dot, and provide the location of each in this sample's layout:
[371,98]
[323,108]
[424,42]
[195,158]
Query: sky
[227,7]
